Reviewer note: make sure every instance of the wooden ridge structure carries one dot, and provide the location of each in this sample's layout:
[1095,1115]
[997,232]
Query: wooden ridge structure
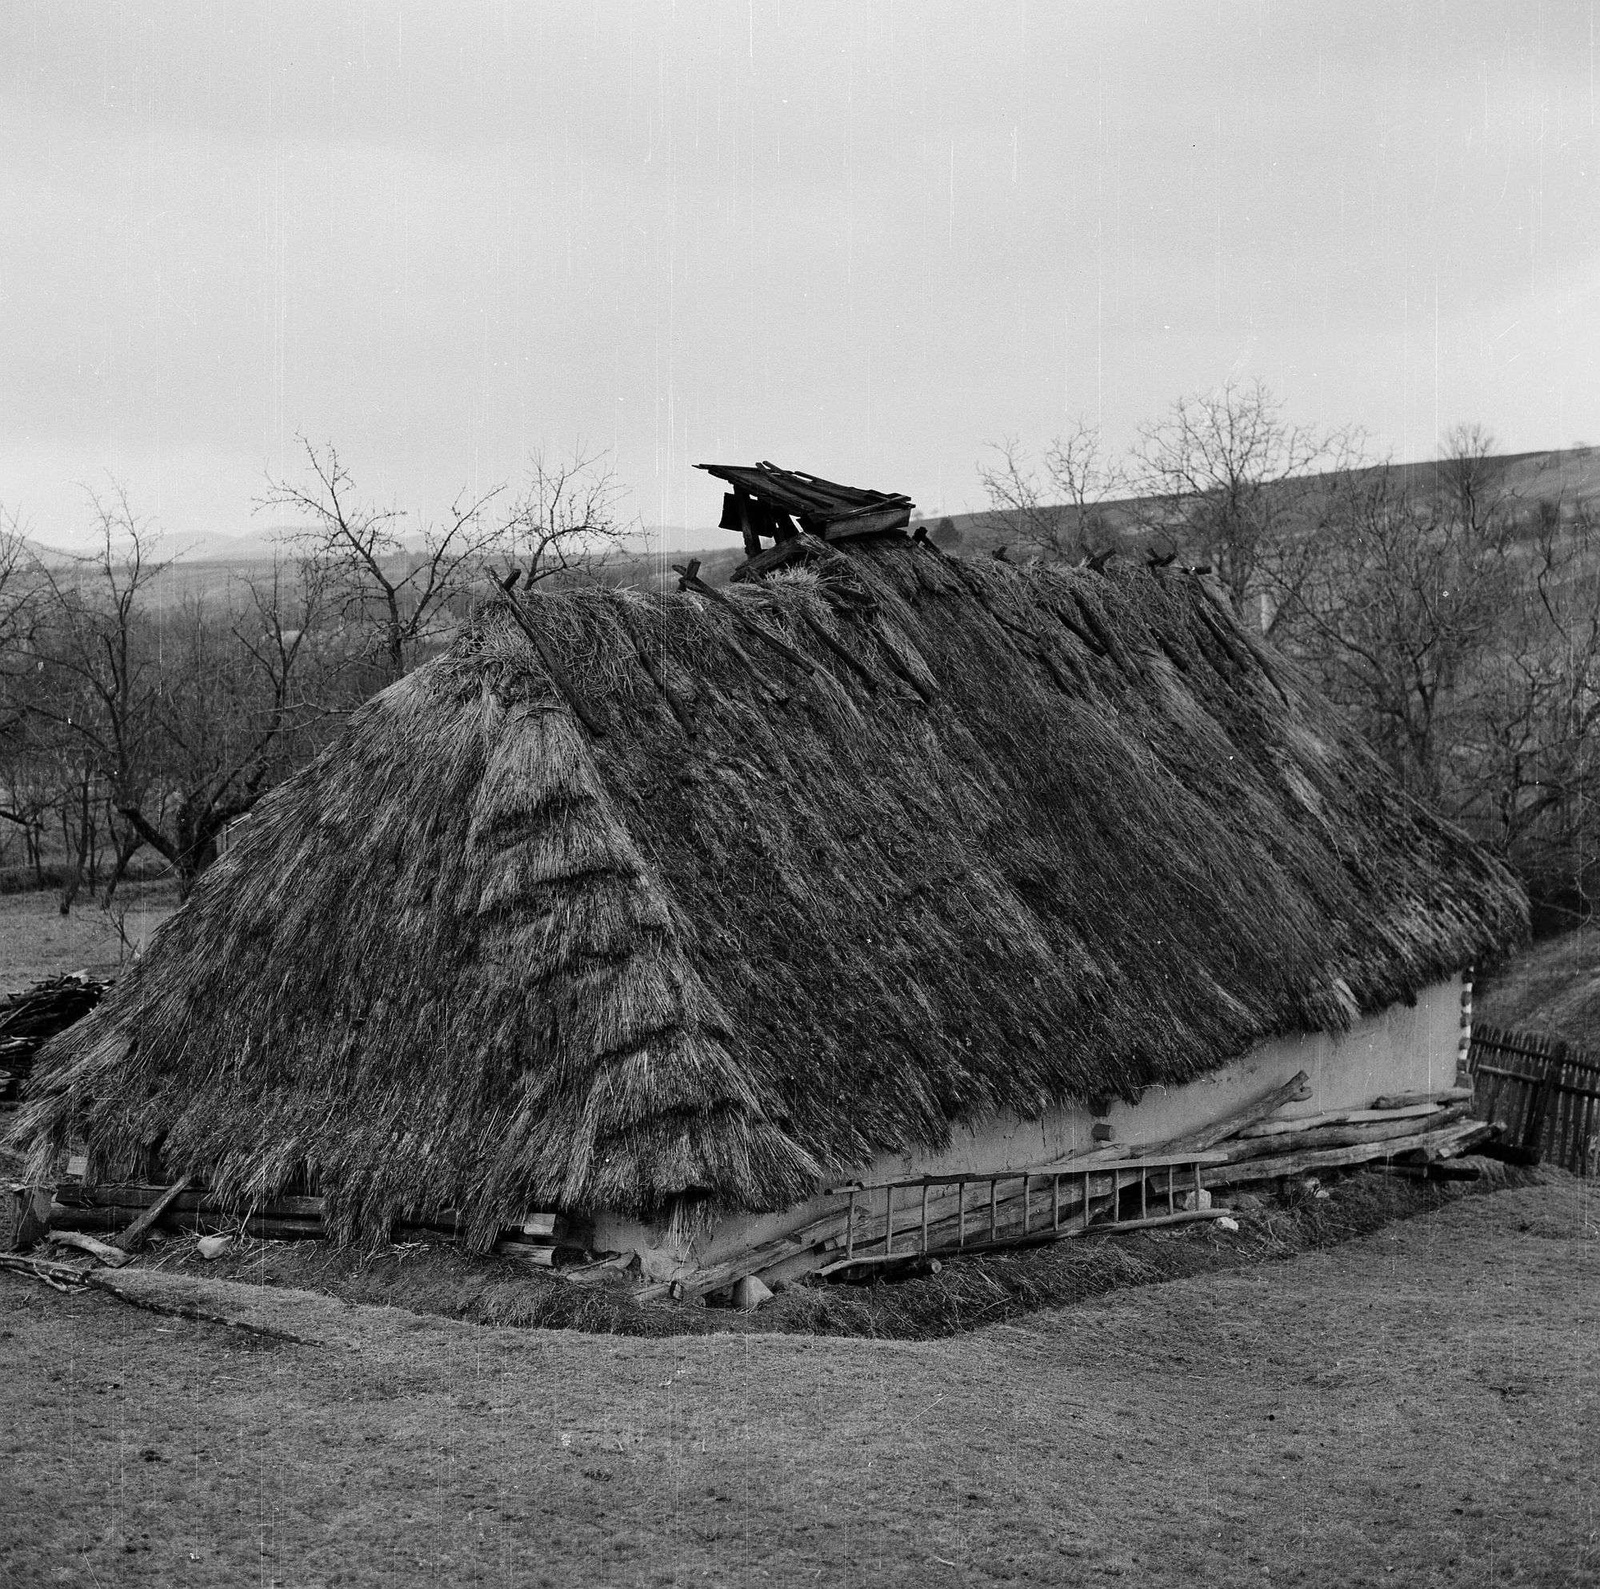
[1544,1091]
[779,505]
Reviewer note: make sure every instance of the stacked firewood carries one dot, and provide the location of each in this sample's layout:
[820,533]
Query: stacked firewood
[28,1019]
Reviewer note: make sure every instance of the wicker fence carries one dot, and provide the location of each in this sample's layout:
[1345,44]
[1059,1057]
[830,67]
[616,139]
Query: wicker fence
[1545,1092]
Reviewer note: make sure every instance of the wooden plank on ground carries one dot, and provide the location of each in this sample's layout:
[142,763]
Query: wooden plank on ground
[44,1268]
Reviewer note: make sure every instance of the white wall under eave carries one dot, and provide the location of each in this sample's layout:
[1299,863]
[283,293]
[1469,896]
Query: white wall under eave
[1406,1048]
[1403,1049]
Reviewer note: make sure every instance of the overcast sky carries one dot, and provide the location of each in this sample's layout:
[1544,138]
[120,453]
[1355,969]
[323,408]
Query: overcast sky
[861,239]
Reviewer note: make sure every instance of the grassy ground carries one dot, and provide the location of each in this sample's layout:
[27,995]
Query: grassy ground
[37,941]
[1553,986]
[1417,1407]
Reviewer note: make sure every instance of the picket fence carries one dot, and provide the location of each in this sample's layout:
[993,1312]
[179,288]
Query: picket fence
[1544,1091]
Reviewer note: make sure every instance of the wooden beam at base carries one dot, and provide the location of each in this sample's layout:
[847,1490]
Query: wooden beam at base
[133,1237]
[541,1254]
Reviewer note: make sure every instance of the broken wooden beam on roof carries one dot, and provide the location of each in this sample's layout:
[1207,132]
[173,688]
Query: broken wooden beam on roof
[768,502]
[689,579]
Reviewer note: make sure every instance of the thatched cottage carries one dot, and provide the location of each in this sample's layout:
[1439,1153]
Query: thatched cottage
[669,911]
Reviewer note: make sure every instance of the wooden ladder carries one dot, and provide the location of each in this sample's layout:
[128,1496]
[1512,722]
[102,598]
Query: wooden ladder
[1085,1181]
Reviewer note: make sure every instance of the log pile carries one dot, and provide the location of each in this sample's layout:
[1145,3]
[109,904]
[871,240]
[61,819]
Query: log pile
[28,1019]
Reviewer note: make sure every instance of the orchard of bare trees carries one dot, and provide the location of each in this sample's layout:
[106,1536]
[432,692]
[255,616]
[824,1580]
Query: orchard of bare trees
[139,718]
[1456,621]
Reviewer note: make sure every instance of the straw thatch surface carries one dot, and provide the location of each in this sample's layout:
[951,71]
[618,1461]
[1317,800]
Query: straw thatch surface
[1075,834]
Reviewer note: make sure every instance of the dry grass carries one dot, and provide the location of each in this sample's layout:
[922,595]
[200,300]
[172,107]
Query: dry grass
[37,941]
[1552,986]
[1418,1407]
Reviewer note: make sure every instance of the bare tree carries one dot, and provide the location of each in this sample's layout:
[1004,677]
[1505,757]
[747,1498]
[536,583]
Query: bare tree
[1528,779]
[160,723]
[82,683]
[235,708]
[16,582]
[1472,479]
[1407,597]
[1229,480]
[394,592]
[1057,509]
[566,518]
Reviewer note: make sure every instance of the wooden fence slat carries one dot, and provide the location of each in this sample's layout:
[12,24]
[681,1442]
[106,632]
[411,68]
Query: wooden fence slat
[1544,1090]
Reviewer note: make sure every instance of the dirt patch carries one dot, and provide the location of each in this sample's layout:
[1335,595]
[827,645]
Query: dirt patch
[1417,1406]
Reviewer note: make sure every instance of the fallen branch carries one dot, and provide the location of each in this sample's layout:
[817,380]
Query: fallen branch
[104,1251]
[43,1268]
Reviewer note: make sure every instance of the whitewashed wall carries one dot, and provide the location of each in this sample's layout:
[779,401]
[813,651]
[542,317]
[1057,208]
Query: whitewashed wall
[1405,1049]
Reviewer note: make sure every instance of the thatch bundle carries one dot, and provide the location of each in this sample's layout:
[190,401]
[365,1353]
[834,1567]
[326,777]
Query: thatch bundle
[840,859]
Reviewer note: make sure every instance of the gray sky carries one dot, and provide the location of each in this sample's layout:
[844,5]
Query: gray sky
[861,239]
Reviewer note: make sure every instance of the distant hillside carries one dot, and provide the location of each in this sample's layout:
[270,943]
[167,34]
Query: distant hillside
[209,564]
[1570,476]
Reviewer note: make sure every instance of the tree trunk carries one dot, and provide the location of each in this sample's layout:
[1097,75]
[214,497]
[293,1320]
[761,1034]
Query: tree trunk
[128,845]
[69,889]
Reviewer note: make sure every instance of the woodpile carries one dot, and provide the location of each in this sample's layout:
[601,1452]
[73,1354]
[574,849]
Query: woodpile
[28,1019]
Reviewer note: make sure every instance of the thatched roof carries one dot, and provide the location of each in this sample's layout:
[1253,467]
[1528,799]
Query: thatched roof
[843,859]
